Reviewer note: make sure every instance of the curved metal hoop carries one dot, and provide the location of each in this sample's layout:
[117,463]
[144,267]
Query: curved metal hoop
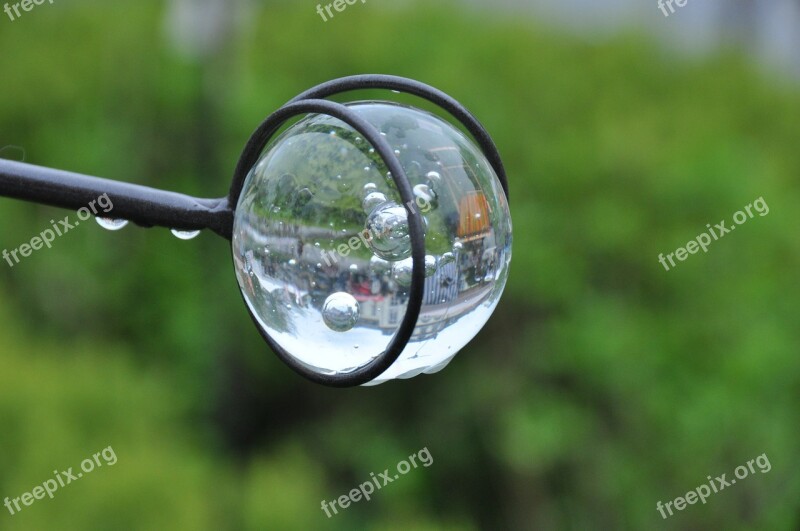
[248,159]
[421,90]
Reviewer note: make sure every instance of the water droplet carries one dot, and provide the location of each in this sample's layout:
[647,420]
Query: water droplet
[292,262]
[353,268]
[379,265]
[358,140]
[397,152]
[370,187]
[185,234]
[388,225]
[340,311]
[372,201]
[446,258]
[427,196]
[430,265]
[434,179]
[111,223]
[303,197]
[458,246]
[401,271]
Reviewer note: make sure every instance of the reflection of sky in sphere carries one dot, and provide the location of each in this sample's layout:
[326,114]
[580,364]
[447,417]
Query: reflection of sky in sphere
[320,226]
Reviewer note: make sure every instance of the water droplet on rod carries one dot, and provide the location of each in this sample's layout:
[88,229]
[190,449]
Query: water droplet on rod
[111,223]
[185,234]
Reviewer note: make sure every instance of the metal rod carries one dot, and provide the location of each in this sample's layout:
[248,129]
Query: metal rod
[142,205]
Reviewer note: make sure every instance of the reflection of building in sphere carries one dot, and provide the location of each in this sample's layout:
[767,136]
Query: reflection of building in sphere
[473,217]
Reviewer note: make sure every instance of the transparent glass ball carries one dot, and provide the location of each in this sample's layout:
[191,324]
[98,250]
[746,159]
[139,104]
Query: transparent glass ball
[322,245]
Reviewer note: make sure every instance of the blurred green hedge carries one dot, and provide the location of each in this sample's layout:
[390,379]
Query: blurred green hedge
[602,385]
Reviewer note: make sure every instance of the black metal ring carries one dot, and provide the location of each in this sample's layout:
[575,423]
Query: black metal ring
[421,90]
[397,344]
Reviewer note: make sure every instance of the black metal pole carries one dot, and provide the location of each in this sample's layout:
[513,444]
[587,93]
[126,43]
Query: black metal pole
[150,207]
[142,205]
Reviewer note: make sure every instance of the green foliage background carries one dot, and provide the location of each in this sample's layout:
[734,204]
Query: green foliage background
[602,385]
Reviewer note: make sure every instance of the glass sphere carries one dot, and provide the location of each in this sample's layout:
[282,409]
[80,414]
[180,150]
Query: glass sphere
[322,245]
